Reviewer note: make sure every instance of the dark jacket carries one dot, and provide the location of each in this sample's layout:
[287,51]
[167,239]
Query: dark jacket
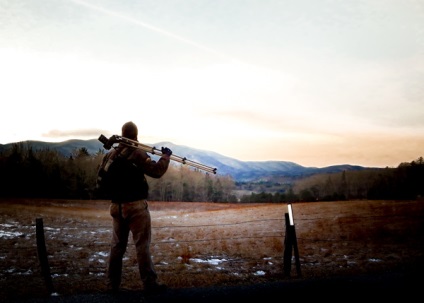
[125,181]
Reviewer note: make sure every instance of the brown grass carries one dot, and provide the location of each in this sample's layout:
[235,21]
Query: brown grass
[203,244]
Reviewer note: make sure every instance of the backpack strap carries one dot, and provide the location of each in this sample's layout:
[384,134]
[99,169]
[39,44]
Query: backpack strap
[125,152]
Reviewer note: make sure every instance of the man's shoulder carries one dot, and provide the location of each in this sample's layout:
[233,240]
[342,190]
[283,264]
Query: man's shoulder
[109,155]
[139,153]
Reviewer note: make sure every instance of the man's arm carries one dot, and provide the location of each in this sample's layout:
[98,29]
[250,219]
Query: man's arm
[150,167]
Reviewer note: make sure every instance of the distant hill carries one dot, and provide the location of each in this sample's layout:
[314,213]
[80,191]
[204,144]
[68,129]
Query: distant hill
[241,171]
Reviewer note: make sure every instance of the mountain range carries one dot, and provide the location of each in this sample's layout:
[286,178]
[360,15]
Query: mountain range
[240,171]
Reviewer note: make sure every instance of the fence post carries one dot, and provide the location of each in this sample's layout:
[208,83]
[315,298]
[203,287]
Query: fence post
[290,244]
[287,249]
[42,255]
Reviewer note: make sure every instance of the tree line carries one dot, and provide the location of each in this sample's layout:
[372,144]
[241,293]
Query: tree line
[45,173]
[405,182]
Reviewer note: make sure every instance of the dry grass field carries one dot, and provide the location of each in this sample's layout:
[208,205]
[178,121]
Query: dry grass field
[207,244]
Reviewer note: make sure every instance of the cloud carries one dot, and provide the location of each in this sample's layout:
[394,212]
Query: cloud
[75,133]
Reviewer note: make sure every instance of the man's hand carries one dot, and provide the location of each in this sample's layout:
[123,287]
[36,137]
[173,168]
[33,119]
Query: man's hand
[166,151]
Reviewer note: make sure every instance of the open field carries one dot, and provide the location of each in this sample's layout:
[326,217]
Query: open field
[208,244]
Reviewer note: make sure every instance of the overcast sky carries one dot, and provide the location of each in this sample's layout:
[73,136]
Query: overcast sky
[315,82]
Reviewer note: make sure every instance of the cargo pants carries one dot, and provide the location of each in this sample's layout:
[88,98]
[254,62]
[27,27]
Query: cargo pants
[134,217]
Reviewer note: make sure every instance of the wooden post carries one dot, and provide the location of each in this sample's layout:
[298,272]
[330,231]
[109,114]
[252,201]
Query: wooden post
[290,243]
[287,248]
[42,255]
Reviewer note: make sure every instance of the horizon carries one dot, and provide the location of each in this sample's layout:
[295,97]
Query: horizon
[152,144]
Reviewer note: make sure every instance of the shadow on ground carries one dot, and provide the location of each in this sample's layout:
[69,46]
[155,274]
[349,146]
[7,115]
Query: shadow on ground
[363,287]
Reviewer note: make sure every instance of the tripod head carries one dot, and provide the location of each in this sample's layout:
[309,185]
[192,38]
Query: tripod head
[107,143]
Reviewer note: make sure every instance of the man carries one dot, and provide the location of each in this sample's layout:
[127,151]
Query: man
[129,208]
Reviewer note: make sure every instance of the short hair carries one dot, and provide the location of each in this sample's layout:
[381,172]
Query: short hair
[129,130]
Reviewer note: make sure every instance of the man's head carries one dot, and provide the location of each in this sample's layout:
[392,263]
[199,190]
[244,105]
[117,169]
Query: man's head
[129,130]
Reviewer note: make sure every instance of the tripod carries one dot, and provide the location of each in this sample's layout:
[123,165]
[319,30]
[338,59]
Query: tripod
[108,143]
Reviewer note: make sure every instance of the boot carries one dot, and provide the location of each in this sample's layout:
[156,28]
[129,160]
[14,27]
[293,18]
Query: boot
[153,288]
